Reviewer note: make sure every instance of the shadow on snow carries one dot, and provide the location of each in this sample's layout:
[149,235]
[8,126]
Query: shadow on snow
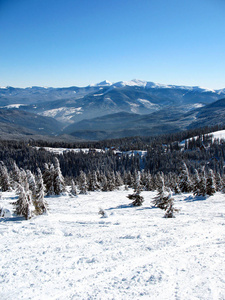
[16,219]
[131,206]
[195,198]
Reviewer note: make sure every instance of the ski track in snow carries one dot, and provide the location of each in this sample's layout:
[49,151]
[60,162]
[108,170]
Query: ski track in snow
[134,253]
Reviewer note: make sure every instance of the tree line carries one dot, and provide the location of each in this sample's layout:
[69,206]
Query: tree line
[31,188]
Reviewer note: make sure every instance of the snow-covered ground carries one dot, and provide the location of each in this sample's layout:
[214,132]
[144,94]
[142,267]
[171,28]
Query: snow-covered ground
[66,150]
[141,153]
[134,253]
[12,106]
[220,134]
[62,114]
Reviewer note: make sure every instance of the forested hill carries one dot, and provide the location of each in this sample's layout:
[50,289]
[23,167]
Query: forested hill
[163,153]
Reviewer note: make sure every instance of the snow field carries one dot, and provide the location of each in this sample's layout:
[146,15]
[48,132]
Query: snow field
[134,253]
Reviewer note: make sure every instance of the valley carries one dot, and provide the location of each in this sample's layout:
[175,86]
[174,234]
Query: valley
[107,110]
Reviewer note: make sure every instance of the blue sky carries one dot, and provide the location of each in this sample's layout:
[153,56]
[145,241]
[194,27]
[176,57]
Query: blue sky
[70,42]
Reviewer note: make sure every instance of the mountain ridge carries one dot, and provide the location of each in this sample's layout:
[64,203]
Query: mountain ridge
[73,104]
[107,109]
[133,82]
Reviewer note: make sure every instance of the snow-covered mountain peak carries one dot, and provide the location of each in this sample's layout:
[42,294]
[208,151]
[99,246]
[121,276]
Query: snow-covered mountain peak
[102,83]
[134,82]
[222,91]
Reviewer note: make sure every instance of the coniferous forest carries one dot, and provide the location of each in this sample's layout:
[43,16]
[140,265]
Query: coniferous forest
[190,161]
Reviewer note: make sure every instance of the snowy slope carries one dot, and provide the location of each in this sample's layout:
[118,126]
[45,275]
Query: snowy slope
[66,150]
[73,253]
[220,134]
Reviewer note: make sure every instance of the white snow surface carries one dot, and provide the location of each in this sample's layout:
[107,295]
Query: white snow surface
[66,150]
[134,253]
[102,83]
[141,153]
[95,95]
[197,105]
[148,104]
[149,84]
[63,114]
[220,134]
[13,106]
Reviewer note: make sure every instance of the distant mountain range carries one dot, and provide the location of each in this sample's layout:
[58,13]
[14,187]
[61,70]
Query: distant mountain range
[107,110]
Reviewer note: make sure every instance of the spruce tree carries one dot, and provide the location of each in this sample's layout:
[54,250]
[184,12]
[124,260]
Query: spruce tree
[31,182]
[170,209]
[104,183]
[82,183]
[73,188]
[202,183]
[210,184]
[15,175]
[93,184]
[39,201]
[157,180]
[219,183]
[196,184]
[49,178]
[111,181]
[137,199]
[162,198]
[118,179]
[24,181]
[129,179]
[185,182]
[59,183]
[24,203]
[137,182]
[146,181]
[4,178]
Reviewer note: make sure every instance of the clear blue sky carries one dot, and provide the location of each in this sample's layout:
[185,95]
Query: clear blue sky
[71,42]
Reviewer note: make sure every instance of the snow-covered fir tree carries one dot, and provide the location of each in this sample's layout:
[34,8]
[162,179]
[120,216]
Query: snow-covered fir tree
[118,179]
[196,184]
[170,209]
[104,183]
[23,206]
[157,180]
[15,175]
[82,183]
[202,183]
[146,181]
[162,198]
[137,182]
[59,183]
[219,182]
[73,188]
[4,178]
[210,183]
[93,184]
[111,181]
[39,201]
[137,199]
[185,183]
[31,182]
[129,179]
[48,177]
[24,180]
